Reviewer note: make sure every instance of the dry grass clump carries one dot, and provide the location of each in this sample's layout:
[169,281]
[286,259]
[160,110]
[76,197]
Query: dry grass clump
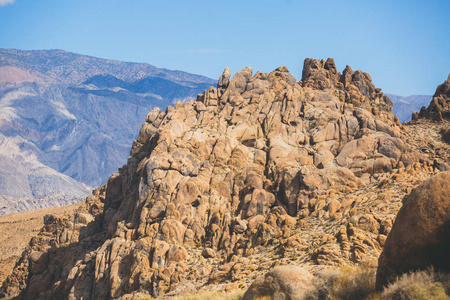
[236,295]
[355,283]
[137,296]
[358,283]
[421,285]
[350,283]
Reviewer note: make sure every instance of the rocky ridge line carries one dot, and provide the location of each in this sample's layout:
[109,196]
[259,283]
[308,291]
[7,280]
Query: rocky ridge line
[439,108]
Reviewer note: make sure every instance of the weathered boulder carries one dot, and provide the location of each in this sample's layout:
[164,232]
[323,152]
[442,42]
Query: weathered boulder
[208,253]
[282,283]
[420,236]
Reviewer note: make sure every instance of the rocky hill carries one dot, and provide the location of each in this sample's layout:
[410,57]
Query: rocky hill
[17,229]
[439,108]
[68,120]
[260,171]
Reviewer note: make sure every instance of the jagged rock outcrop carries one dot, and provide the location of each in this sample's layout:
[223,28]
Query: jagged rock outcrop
[262,167]
[420,236]
[439,108]
[435,120]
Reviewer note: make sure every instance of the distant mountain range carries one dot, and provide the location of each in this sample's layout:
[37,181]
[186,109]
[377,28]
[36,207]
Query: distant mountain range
[405,106]
[67,121]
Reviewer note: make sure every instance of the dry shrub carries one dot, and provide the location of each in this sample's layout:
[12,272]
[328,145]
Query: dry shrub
[137,296]
[350,283]
[236,295]
[443,278]
[420,285]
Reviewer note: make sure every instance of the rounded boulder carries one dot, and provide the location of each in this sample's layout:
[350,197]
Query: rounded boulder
[420,236]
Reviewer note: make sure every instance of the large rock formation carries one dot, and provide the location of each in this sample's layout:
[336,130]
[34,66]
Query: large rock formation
[420,237]
[258,171]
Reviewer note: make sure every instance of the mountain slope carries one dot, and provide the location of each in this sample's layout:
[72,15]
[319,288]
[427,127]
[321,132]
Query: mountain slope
[75,114]
[26,183]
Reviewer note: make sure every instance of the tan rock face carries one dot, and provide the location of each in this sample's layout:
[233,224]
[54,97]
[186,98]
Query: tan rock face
[420,237]
[260,163]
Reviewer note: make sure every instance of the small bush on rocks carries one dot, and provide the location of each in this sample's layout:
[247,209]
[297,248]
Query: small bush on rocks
[350,283]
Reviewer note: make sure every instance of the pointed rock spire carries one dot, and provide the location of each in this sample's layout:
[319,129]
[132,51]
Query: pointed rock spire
[310,67]
[330,65]
[224,79]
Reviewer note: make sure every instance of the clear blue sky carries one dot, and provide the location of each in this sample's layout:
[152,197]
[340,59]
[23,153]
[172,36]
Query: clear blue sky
[404,45]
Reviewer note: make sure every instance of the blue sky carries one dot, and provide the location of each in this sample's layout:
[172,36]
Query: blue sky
[404,45]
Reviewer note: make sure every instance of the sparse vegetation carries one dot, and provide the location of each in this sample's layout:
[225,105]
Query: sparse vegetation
[236,295]
[143,297]
[421,285]
[358,283]
[350,283]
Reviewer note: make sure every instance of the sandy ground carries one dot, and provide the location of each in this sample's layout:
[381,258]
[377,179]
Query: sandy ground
[17,229]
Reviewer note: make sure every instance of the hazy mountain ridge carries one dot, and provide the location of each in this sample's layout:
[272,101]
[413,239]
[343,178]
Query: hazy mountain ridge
[405,106]
[67,67]
[74,121]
